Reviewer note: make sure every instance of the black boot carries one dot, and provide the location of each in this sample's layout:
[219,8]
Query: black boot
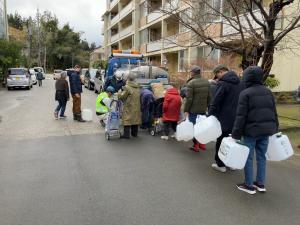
[79,118]
[74,116]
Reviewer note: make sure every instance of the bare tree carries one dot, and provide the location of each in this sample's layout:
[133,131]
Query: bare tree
[252,29]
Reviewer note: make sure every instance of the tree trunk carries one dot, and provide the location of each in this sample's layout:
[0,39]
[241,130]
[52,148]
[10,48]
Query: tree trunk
[267,60]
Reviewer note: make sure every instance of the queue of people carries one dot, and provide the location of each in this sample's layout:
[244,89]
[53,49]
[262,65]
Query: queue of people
[245,109]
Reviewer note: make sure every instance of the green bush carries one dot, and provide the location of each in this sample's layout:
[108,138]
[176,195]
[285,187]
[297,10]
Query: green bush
[272,82]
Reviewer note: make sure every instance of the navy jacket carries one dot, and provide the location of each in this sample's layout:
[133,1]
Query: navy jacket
[147,105]
[225,101]
[116,84]
[256,112]
[75,83]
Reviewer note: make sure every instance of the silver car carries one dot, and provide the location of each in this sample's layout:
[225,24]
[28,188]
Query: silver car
[19,77]
[99,81]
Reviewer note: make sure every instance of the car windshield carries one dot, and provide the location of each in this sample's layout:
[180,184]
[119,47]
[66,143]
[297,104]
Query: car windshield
[93,73]
[37,70]
[57,71]
[31,71]
[16,72]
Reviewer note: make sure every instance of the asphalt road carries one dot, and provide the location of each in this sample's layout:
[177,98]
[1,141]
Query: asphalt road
[56,172]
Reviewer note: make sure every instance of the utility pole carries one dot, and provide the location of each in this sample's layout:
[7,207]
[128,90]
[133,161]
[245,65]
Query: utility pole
[39,37]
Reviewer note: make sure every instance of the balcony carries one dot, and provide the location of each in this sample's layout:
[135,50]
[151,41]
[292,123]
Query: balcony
[170,42]
[229,30]
[155,46]
[171,5]
[127,9]
[126,31]
[113,3]
[154,16]
[115,20]
[115,37]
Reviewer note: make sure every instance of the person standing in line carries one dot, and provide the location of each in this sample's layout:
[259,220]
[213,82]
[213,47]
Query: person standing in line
[76,90]
[40,78]
[256,120]
[197,100]
[61,95]
[147,108]
[171,112]
[224,105]
[131,115]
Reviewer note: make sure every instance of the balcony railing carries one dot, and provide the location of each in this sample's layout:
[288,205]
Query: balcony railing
[229,30]
[155,46]
[113,3]
[115,37]
[126,31]
[154,16]
[171,41]
[127,9]
[115,19]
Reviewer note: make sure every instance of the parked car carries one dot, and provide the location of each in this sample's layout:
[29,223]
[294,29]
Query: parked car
[56,74]
[19,77]
[99,81]
[39,69]
[89,77]
[33,76]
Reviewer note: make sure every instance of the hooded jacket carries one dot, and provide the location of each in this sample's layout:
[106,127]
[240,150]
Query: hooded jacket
[147,105]
[172,105]
[256,112]
[130,96]
[197,96]
[225,101]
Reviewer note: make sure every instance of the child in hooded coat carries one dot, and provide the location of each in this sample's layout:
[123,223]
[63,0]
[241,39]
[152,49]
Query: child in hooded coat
[171,111]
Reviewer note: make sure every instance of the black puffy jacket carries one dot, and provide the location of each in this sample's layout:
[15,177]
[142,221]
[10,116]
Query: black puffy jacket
[225,100]
[256,112]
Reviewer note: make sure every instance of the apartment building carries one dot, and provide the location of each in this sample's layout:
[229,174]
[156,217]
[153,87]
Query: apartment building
[141,25]
[3,20]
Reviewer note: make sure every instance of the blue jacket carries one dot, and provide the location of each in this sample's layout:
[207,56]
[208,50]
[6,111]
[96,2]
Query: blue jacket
[225,101]
[75,83]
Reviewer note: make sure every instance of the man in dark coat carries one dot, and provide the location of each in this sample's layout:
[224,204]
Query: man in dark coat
[61,95]
[197,100]
[117,81]
[76,90]
[224,105]
[147,108]
[40,78]
[256,120]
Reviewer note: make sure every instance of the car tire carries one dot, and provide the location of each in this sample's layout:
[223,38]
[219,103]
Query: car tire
[96,91]
[8,88]
[28,88]
[89,86]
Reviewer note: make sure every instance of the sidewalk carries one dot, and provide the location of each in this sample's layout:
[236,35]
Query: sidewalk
[289,119]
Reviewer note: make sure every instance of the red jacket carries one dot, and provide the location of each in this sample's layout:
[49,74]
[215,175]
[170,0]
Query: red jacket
[172,105]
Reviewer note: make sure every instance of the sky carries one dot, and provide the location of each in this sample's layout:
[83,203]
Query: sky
[82,15]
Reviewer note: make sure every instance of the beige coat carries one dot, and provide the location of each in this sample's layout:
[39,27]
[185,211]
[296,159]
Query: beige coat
[130,96]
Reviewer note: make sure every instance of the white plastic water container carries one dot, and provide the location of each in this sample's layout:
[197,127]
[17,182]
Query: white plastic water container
[207,130]
[233,154]
[200,118]
[185,131]
[279,148]
[87,115]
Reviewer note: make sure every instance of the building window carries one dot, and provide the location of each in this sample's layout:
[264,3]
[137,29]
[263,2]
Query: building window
[182,59]
[206,52]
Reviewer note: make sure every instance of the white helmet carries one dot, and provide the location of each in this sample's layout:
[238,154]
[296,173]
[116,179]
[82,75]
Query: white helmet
[119,75]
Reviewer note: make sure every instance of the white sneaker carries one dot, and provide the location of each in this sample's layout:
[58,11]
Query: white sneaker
[173,136]
[164,138]
[218,168]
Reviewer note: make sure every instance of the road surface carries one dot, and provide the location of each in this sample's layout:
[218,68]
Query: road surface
[56,172]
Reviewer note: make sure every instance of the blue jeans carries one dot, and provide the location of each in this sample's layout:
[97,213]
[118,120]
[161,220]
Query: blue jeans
[260,146]
[192,118]
[61,107]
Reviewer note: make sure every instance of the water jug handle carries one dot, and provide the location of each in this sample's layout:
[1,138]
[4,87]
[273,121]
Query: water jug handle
[278,135]
[240,142]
